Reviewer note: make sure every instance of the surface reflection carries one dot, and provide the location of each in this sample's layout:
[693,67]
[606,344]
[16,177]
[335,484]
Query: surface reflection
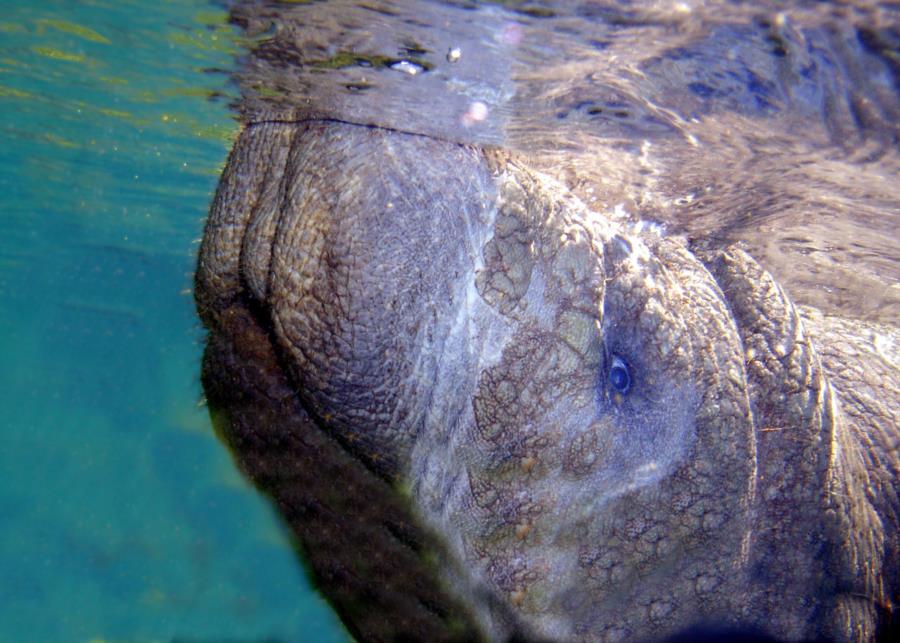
[769,124]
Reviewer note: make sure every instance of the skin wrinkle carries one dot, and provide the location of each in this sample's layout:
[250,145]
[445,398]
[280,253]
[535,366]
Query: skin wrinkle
[455,340]
[794,489]
[218,271]
[256,249]
[869,399]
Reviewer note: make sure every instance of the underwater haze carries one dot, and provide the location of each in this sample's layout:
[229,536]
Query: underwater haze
[770,124]
[125,518]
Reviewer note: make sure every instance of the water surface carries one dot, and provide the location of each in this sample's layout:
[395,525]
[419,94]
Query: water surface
[770,123]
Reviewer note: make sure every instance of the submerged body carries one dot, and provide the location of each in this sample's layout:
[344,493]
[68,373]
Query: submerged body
[459,341]
[490,411]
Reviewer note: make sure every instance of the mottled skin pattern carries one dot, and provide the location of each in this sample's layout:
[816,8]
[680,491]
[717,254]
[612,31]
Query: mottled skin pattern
[410,350]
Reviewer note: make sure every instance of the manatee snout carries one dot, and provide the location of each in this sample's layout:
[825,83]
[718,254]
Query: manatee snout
[487,411]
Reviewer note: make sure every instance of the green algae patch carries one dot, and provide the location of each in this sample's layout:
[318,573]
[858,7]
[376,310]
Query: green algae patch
[57,54]
[12,63]
[217,132]
[12,92]
[115,113]
[192,92]
[60,141]
[211,17]
[219,41]
[268,92]
[74,29]
[344,59]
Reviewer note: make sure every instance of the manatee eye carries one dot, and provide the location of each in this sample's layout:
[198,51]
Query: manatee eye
[620,375]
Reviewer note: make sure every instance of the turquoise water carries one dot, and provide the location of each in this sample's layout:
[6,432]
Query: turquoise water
[124,518]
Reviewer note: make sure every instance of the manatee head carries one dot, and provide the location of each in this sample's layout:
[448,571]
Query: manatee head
[599,469]
[567,406]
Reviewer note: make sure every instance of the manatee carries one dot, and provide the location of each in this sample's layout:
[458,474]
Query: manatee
[491,410]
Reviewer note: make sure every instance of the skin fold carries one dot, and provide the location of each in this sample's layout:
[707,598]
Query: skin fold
[417,349]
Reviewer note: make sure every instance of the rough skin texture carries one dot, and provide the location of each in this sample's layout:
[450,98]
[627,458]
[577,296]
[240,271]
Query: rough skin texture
[418,372]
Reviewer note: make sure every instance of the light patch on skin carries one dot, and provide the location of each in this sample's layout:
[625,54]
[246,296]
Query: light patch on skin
[636,251]
[490,338]
[477,330]
[648,227]
[478,334]
[885,348]
[634,450]
[535,300]
[647,469]
[645,154]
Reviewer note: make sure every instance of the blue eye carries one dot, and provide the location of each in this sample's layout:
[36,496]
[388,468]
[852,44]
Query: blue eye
[620,375]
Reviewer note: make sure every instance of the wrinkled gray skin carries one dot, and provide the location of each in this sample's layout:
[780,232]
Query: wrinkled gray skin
[410,347]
